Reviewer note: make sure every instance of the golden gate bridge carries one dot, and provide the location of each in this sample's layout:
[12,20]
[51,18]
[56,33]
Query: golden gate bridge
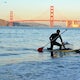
[69,23]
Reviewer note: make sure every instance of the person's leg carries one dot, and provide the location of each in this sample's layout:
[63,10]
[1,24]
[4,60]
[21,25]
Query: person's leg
[58,44]
[51,46]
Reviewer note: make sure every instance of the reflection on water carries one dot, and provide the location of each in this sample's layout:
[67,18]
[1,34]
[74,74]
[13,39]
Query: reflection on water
[57,54]
[15,58]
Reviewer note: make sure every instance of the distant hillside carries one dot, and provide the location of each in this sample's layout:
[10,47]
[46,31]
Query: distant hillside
[6,23]
[3,23]
[33,24]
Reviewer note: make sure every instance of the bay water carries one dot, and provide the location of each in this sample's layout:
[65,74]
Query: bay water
[20,60]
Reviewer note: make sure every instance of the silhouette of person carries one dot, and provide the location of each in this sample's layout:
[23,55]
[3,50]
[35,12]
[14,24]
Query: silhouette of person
[53,39]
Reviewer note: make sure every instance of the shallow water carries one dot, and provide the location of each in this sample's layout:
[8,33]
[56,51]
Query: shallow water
[19,59]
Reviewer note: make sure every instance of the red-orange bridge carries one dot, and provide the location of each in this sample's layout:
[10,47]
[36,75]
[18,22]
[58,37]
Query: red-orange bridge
[69,23]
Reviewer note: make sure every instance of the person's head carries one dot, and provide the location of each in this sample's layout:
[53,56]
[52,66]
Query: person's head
[58,31]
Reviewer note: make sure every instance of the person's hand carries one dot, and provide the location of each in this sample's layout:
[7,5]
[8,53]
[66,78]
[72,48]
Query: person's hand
[63,45]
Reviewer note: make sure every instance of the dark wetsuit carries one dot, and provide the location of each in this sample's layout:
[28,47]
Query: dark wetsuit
[53,39]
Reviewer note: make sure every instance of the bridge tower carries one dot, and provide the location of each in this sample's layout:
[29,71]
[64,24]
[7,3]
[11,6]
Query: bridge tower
[69,23]
[11,18]
[51,16]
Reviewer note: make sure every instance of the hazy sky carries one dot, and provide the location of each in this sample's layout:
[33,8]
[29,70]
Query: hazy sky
[39,9]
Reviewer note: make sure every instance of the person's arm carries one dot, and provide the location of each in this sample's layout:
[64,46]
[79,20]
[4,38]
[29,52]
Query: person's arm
[60,38]
[62,41]
[50,38]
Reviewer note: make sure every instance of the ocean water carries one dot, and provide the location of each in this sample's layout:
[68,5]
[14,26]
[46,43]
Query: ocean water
[20,60]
